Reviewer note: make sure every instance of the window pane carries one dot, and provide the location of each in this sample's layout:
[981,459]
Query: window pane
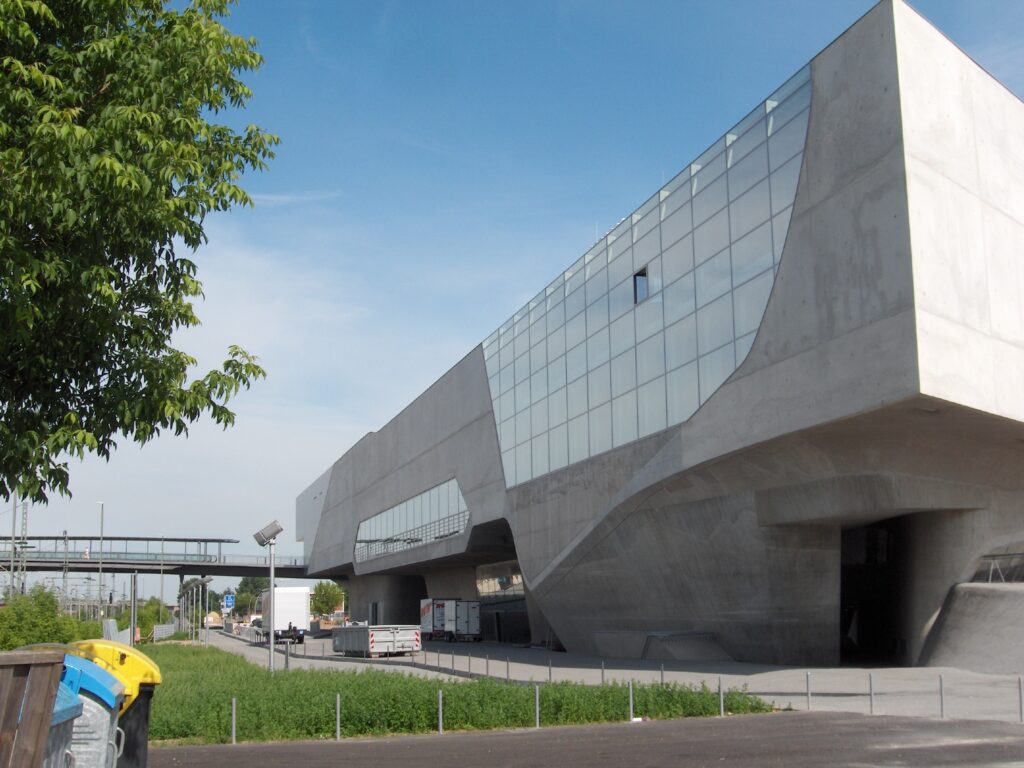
[677,260]
[523,427]
[749,139]
[748,171]
[714,324]
[752,254]
[556,343]
[596,259]
[787,140]
[620,299]
[524,463]
[710,201]
[679,299]
[620,269]
[578,439]
[577,397]
[750,300]
[676,226]
[597,286]
[556,316]
[540,455]
[574,303]
[507,435]
[597,315]
[522,395]
[522,367]
[711,236]
[539,418]
[651,407]
[600,420]
[622,334]
[597,349]
[714,369]
[650,358]
[780,226]
[681,342]
[743,345]
[749,211]
[538,355]
[649,318]
[624,419]
[599,385]
[623,373]
[576,362]
[646,249]
[557,408]
[576,330]
[681,391]
[558,447]
[556,374]
[784,182]
[654,283]
[714,277]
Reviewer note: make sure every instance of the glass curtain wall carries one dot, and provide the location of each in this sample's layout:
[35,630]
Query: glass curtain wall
[646,325]
[435,514]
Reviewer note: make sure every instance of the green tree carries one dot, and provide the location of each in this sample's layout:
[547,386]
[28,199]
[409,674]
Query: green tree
[252,585]
[110,160]
[326,597]
[34,618]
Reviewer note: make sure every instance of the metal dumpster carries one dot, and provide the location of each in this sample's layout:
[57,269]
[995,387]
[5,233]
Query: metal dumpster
[140,676]
[66,709]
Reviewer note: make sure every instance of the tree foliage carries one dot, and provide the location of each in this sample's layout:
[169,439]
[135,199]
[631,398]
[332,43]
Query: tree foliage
[110,160]
[326,597]
[34,618]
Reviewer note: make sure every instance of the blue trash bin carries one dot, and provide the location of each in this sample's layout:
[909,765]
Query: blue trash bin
[97,742]
[66,709]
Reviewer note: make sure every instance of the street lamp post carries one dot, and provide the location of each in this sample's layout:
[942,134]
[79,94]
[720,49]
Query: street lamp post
[99,587]
[267,537]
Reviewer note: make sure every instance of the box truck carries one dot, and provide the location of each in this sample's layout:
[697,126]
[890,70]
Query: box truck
[291,613]
[462,620]
[432,618]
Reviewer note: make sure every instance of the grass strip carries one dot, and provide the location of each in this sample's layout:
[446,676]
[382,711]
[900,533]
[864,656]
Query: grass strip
[194,703]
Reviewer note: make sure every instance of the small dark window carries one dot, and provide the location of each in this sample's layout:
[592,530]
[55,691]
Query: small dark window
[640,286]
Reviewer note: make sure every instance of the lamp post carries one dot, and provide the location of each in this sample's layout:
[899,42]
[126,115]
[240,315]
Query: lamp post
[267,537]
[99,587]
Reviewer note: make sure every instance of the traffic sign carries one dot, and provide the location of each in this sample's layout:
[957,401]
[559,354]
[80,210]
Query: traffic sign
[229,601]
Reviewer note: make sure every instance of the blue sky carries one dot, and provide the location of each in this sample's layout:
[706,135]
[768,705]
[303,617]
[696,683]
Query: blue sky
[440,163]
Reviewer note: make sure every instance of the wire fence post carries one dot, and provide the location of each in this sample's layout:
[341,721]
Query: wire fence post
[808,691]
[453,661]
[602,672]
[337,717]
[234,720]
[630,701]
[871,693]
[721,699]
[469,663]
[1020,697]
[536,706]
[440,711]
[549,669]
[942,700]
[508,670]
[487,665]
[663,673]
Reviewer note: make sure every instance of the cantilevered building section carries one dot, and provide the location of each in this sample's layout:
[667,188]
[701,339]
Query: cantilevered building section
[774,415]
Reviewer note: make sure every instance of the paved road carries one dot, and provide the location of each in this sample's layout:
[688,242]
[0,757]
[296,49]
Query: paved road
[910,691]
[793,740]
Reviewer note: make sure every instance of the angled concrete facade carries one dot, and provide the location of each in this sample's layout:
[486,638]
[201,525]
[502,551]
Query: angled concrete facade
[802,441]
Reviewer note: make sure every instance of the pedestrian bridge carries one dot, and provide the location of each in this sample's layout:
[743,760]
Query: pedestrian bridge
[127,554]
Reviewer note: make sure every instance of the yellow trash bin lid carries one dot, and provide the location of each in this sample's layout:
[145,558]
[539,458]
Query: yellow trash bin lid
[129,665]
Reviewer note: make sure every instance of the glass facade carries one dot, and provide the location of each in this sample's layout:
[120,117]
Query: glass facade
[591,363]
[433,515]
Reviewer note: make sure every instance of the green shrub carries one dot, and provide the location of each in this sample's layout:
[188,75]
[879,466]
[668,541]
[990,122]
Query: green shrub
[194,702]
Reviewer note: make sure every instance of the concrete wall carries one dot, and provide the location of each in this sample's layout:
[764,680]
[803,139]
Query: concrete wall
[965,165]
[980,629]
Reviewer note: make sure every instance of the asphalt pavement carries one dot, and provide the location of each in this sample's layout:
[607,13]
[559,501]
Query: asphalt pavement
[790,739]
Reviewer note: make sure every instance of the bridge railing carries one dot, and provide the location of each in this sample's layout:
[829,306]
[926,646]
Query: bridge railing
[153,557]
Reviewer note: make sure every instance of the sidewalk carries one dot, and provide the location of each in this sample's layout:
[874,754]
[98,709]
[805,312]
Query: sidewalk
[903,691]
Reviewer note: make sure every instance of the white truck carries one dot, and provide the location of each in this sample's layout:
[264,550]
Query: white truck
[291,613]
[432,618]
[376,640]
[462,620]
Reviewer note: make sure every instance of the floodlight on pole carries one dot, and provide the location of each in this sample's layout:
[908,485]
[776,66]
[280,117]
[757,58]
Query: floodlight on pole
[267,537]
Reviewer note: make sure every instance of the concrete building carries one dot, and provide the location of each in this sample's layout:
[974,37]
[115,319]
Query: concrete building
[774,415]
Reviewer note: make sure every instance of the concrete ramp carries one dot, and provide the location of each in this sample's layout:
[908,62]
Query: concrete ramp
[684,646]
[980,628]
